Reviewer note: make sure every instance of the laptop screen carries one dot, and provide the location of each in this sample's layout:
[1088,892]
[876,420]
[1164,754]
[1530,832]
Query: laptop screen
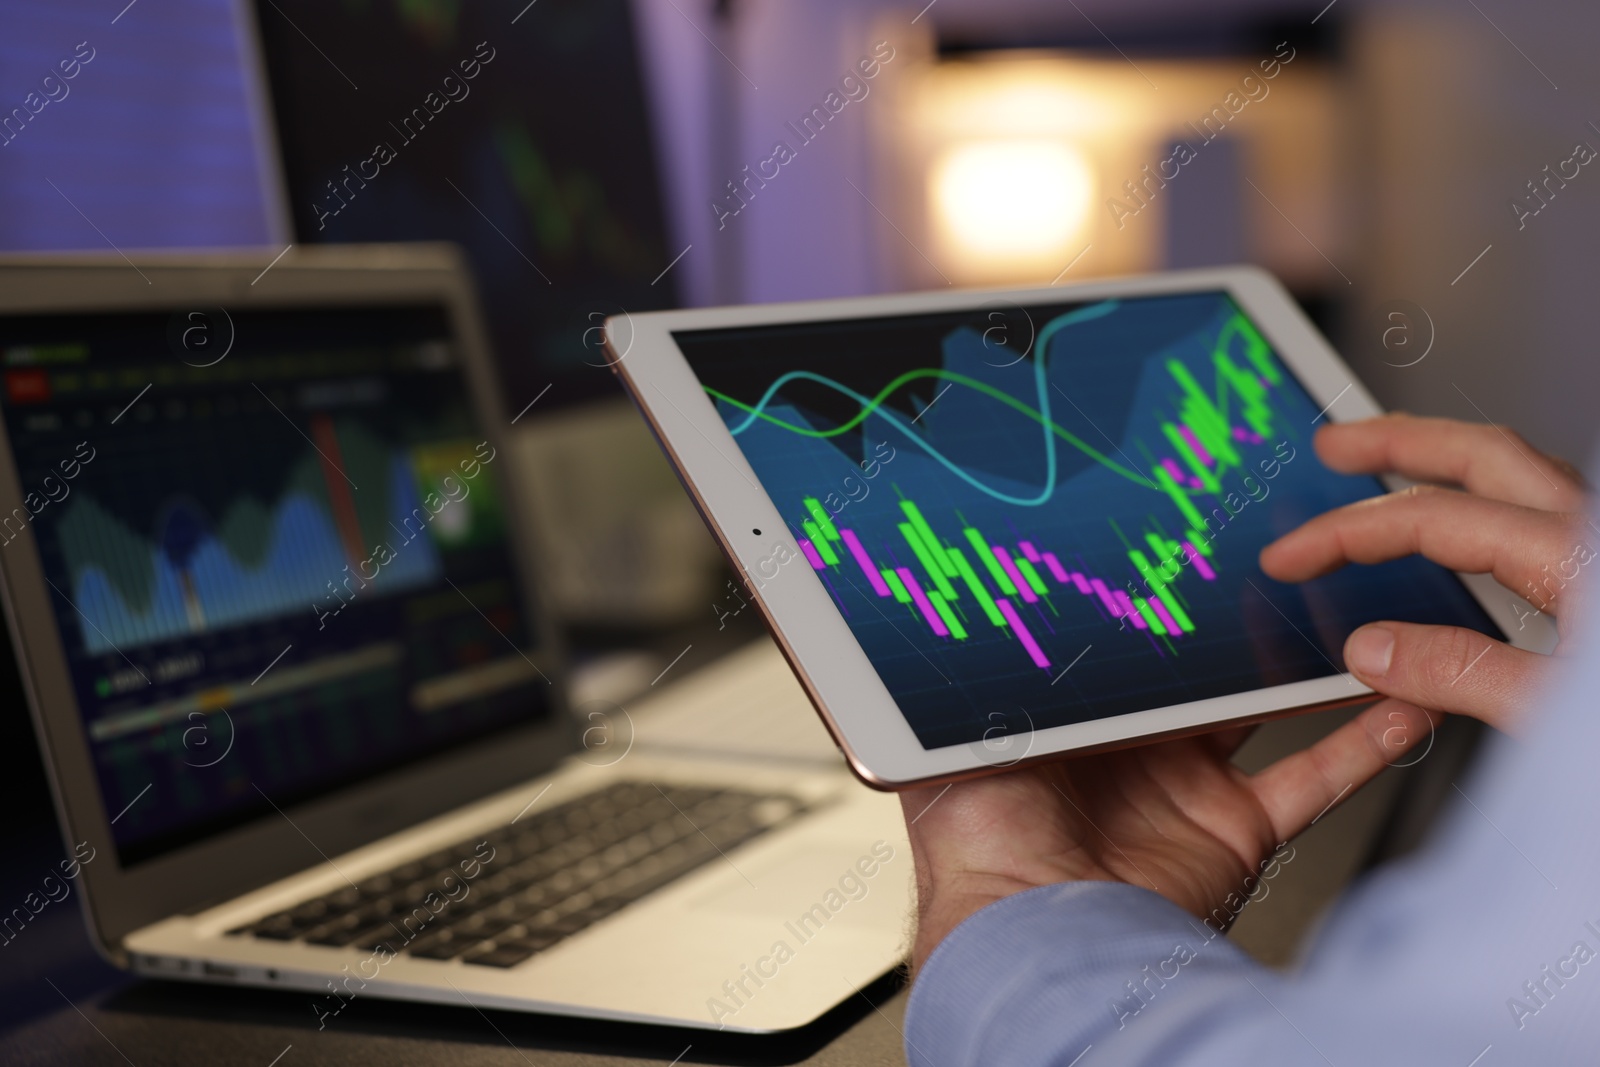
[277,549]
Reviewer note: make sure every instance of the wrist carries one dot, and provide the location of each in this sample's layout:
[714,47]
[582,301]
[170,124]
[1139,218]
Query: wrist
[943,906]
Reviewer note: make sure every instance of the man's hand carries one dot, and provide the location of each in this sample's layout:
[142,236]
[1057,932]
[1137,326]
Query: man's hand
[1177,816]
[1519,515]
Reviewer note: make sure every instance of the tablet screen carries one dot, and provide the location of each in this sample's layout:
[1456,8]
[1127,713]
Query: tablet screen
[1035,516]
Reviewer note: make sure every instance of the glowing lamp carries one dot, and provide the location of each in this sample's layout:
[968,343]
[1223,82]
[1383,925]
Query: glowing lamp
[1015,201]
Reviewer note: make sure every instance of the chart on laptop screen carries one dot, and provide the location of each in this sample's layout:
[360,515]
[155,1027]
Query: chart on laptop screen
[1037,516]
[245,548]
[272,575]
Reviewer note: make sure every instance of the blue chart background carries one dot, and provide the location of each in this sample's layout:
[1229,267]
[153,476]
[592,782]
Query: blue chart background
[1108,383]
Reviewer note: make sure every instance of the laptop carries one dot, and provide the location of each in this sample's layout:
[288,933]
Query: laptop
[307,725]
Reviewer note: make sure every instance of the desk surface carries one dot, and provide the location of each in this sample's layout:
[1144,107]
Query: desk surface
[146,1023]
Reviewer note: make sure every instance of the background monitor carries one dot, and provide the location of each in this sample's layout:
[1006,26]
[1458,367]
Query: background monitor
[135,128]
[458,122]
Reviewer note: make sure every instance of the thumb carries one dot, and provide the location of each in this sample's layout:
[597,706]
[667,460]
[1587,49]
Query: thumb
[1447,668]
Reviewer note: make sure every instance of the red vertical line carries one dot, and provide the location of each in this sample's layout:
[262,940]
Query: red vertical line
[333,475]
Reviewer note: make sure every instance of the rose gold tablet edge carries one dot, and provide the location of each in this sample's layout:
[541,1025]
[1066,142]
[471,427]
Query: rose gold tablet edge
[1127,742]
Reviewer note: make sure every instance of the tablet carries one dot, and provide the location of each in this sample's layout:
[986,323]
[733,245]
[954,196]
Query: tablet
[989,527]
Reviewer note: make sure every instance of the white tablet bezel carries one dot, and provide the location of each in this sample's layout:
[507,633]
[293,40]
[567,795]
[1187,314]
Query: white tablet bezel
[843,684]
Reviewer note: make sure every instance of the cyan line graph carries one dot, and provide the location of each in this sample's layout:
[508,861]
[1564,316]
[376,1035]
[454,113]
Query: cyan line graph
[1206,465]
[875,405]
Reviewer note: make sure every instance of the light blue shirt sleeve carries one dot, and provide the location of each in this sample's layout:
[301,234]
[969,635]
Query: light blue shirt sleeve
[1481,951]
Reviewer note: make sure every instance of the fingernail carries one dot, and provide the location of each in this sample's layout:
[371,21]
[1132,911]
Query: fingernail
[1370,650]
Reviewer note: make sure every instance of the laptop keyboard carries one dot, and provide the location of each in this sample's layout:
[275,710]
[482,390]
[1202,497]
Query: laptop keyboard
[497,898]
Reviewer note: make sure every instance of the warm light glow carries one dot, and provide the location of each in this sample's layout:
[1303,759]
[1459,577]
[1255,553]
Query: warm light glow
[1016,200]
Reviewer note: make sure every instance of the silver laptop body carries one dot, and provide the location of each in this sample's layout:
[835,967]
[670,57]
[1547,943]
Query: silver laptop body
[251,712]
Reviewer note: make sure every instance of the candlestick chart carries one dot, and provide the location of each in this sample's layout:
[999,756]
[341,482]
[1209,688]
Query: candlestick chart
[1199,432]
[1071,518]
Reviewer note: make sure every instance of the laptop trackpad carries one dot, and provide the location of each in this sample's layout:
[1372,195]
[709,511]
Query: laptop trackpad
[842,880]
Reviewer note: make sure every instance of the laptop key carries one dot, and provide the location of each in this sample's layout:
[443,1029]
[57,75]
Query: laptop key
[374,938]
[534,939]
[370,937]
[508,942]
[312,913]
[568,925]
[499,956]
[479,928]
[442,945]
[337,932]
[273,928]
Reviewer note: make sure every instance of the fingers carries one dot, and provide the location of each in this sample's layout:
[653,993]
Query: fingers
[1464,533]
[1299,789]
[1489,461]
[1447,668]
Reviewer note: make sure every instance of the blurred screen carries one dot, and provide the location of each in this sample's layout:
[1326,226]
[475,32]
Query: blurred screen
[467,127]
[132,127]
[274,575]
